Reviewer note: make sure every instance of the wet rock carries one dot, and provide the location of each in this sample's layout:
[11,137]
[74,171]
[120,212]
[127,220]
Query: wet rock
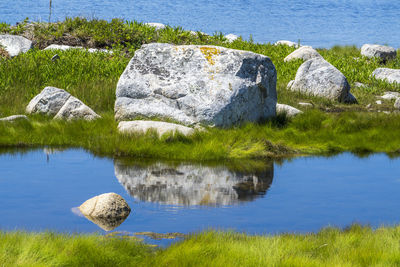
[160,127]
[67,47]
[14,118]
[304,53]
[288,110]
[75,109]
[319,78]
[14,44]
[397,103]
[388,75]
[156,25]
[108,210]
[288,43]
[231,37]
[390,95]
[197,84]
[381,51]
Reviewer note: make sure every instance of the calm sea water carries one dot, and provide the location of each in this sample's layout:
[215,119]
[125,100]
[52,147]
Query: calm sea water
[39,192]
[320,23]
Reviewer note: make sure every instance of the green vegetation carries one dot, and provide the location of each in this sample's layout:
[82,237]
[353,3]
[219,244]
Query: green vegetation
[355,246]
[326,127]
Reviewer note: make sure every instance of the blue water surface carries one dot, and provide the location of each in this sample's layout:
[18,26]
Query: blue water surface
[320,23]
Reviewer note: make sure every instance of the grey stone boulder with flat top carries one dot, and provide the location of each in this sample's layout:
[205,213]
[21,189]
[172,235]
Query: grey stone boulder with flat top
[318,77]
[388,75]
[160,127]
[304,53]
[380,51]
[14,44]
[193,84]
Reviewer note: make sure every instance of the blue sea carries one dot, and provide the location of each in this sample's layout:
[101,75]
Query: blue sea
[319,23]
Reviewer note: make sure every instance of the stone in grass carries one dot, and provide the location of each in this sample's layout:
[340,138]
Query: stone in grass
[194,84]
[14,118]
[14,44]
[390,95]
[288,43]
[160,127]
[231,37]
[304,53]
[108,210]
[75,109]
[288,110]
[380,51]
[67,47]
[397,103]
[318,77]
[156,25]
[388,75]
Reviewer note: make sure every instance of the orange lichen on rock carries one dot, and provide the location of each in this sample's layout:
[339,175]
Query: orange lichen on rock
[210,53]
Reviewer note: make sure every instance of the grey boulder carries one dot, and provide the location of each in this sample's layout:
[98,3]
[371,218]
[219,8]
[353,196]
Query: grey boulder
[73,109]
[390,95]
[159,126]
[14,44]
[319,78]
[288,110]
[304,53]
[381,51]
[388,75]
[197,84]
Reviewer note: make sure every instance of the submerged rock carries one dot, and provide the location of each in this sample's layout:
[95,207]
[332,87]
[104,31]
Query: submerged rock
[388,75]
[381,51]
[304,53]
[319,78]
[14,44]
[197,84]
[288,110]
[160,127]
[108,210]
[14,118]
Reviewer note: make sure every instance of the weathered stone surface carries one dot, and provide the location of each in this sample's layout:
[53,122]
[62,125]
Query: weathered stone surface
[188,184]
[48,102]
[15,44]
[319,78]
[67,47]
[75,109]
[231,37]
[288,110]
[304,53]
[159,126]
[389,75]
[108,210]
[381,51]
[288,43]
[158,26]
[390,95]
[14,118]
[197,84]
[397,103]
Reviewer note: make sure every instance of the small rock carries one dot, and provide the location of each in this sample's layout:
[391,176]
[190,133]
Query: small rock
[304,53]
[358,85]
[14,118]
[378,102]
[197,32]
[397,103]
[305,104]
[158,26]
[75,109]
[390,95]
[288,110]
[108,210]
[159,126]
[67,47]
[231,37]
[388,75]
[386,112]
[14,44]
[288,43]
[381,51]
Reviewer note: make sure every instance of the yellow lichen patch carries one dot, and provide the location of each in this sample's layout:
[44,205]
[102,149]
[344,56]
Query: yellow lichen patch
[210,53]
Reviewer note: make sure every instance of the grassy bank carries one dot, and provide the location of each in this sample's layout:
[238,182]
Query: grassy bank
[325,127]
[355,246]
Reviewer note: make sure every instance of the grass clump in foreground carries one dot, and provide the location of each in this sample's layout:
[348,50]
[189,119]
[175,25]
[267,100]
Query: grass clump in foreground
[355,246]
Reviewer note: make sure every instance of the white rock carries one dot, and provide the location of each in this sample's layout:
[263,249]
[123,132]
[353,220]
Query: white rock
[107,210]
[378,102]
[388,75]
[158,26]
[160,127]
[390,95]
[288,110]
[288,43]
[231,37]
[397,103]
[67,47]
[14,118]
[358,85]
[48,102]
[304,53]
[196,33]
[197,84]
[75,109]
[319,78]
[14,44]
[305,104]
[381,51]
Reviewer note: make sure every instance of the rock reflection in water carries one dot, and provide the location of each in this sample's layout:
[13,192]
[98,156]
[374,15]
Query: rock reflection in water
[188,184]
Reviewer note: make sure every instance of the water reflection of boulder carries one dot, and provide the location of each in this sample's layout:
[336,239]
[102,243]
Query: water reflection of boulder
[187,184]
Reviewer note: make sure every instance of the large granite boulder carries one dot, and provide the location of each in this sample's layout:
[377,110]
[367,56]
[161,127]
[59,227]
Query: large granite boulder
[160,127]
[381,51]
[288,110]
[60,104]
[319,78]
[304,53]
[14,44]
[388,75]
[197,84]
[108,210]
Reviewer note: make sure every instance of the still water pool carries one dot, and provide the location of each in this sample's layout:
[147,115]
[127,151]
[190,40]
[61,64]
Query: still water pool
[40,189]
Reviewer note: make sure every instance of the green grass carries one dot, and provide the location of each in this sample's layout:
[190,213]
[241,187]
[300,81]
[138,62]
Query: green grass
[354,246]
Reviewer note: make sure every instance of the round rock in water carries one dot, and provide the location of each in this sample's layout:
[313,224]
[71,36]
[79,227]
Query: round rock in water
[108,210]
[381,51]
[193,84]
[15,44]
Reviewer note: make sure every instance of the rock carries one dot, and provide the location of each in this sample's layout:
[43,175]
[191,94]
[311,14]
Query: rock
[305,104]
[59,103]
[319,78]
[397,103]
[378,102]
[197,84]
[388,75]
[67,47]
[390,95]
[351,99]
[107,210]
[289,85]
[14,118]
[75,109]
[288,110]
[358,85]
[197,33]
[288,43]
[157,26]
[231,37]
[159,126]
[14,44]
[304,53]
[381,51]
